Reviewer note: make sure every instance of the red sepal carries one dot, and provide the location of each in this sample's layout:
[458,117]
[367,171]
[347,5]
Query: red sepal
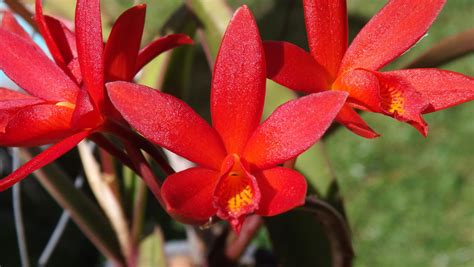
[238,84]
[123,44]
[38,75]
[391,32]
[90,48]
[11,24]
[159,46]
[292,128]
[169,122]
[292,67]
[352,121]
[326,27]
[42,159]
[37,125]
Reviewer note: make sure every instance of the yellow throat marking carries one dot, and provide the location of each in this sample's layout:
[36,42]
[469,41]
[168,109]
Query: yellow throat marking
[66,104]
[395,100]
[240,200]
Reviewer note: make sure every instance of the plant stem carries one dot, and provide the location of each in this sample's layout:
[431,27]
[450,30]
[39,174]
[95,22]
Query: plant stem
[335,228]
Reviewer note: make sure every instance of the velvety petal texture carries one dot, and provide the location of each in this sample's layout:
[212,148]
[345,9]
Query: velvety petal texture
[293,67]
[363,88]
[38,75]
[326,27]
[440,88]
[238,84]
[159,46]
[57,44]
[281,190]
[292,128]
[9,23]
[37,125]
[348,117]
[169,122]
[394,29]
[188,195]
[123,44]
[90,48]
[10,99]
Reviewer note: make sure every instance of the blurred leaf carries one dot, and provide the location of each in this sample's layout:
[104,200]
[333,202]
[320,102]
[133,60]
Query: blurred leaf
[214,16]
[298,240]
[157,14]
[152,250]
[177,79]
[83,211]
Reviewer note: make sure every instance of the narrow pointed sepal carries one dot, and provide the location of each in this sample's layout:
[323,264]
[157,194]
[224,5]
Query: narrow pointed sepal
[348,117]
[44,158]
[238,83]
[292,128]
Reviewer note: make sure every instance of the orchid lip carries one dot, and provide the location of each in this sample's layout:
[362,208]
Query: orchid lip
[237,192]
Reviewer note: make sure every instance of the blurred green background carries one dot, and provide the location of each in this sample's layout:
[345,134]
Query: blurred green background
[409,199]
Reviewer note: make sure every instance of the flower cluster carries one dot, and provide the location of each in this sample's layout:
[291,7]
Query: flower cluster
[89,89]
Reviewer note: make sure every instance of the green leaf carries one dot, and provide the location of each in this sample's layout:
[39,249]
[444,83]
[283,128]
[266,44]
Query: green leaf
[151,250]
[214,15]
[298,240]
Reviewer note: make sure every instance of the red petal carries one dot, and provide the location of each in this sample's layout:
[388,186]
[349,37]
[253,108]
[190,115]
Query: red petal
[363,88]
[442,89]
[33,71]
[292,128]
[188,195]
[10,99]
[57,42]
[352,121]
[42,159]
[238,84]
[326,27]
[292,67]
[236,194]
[37,125]
[85,116]
[90,48]
[159,46]
[64,38]
[75,70]
[397,27]
[122,47]
[169,122]
[11,24]
[282,189]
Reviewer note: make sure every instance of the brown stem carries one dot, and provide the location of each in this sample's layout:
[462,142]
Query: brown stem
[335,228]
[137,140]
[446,50]
[104,143]
[144,170]
[247,233]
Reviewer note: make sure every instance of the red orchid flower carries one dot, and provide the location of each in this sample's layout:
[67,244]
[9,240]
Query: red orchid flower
[331,65]
[66,101]
[237,158]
